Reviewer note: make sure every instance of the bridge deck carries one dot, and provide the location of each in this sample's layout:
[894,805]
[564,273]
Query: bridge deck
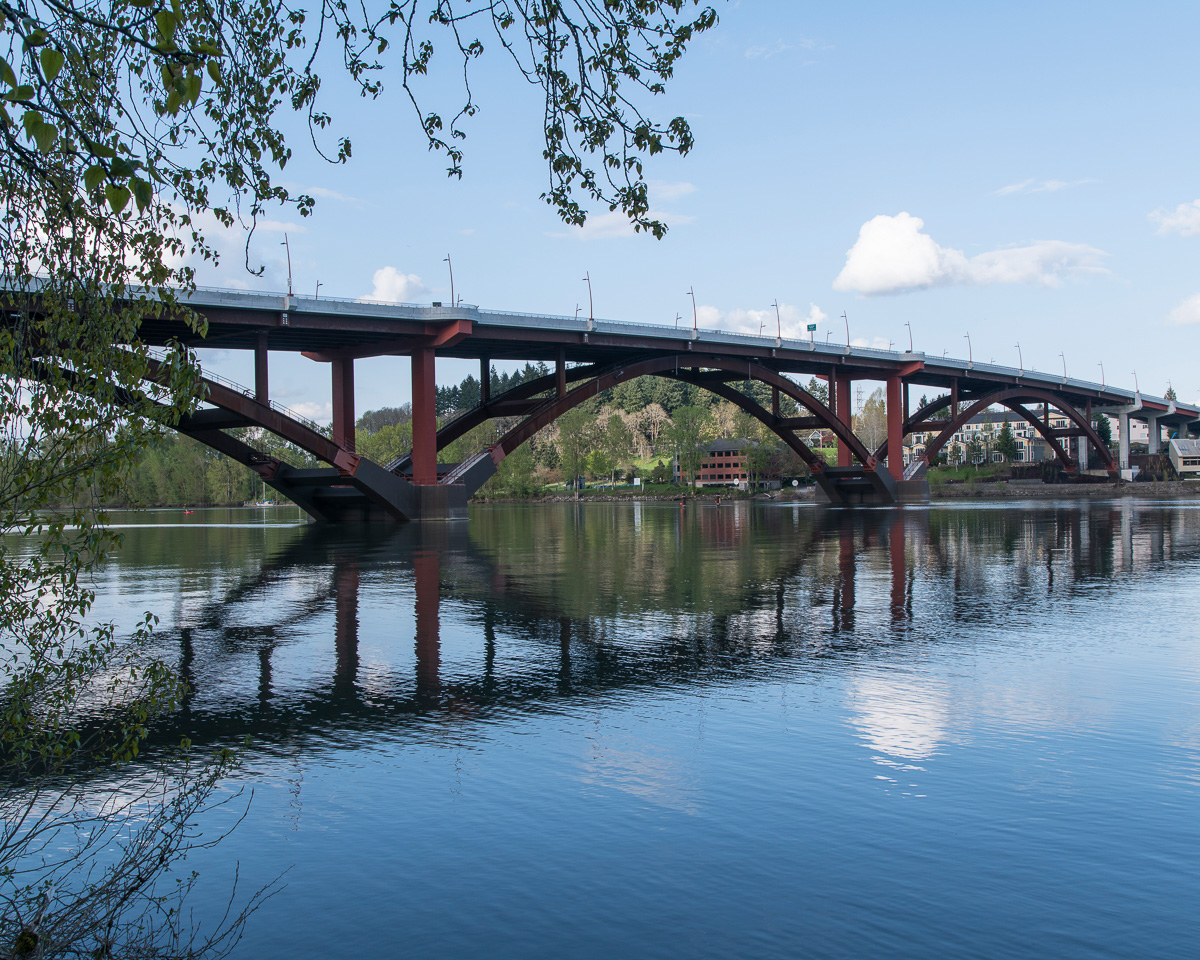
[339,329]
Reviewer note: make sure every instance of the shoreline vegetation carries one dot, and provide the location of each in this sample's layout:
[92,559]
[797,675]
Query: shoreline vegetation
[1001,490]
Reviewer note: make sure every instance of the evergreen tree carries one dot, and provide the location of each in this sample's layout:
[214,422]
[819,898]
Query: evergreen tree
[1006,443]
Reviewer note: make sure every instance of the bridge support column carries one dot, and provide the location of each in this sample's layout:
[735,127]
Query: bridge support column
[343,403]
[424,421]
[261,392]
[840,388]
[895,428]
[485,380]
[560,373]
[1123,427]
[1155,443]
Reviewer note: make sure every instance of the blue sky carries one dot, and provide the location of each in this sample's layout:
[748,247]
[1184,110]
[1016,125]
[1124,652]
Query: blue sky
[1020,172]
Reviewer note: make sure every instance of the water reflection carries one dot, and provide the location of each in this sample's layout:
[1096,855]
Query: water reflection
[434,624]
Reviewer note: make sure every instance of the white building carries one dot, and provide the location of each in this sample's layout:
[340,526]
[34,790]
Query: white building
[1185,457]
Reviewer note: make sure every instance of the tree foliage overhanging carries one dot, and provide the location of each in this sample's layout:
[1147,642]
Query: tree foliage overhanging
[126,128]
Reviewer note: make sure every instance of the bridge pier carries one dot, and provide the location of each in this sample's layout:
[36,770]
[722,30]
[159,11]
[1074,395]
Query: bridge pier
[1123,440]
[839,392]
[424,419]
[1154,445]
[343,403]
[261,392]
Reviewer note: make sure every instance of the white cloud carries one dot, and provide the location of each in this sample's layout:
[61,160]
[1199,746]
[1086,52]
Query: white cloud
[767,50]
[266,250]
[668,190]
[776,47]
[1184,220]
[892,255]
[321,413]
[323,192]
[392,286]
[613,223]
[790,321]
[1033,185]
[1187,312]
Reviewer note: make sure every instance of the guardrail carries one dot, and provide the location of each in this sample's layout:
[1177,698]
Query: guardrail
[224,381]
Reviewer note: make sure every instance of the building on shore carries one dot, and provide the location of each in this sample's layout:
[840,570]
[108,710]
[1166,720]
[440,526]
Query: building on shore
[727,463]
[1185,456]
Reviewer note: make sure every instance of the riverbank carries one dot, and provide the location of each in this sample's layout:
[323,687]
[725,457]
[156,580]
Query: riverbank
[1002,490]
[1170,489]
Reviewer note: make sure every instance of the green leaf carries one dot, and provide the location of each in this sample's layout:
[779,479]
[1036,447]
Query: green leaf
[99,149]
[45,136]
[193,85]
[173,101]
[166,23]
[214,71]
[35,39]
[93,176]
[52,63]
[31,120]
[117,197]
[143,193]
[6,73]
[21,93]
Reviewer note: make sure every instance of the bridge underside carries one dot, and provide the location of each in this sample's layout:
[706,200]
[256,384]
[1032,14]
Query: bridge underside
[339,485]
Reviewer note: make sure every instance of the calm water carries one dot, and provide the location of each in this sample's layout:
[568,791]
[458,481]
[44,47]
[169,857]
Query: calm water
[747,731]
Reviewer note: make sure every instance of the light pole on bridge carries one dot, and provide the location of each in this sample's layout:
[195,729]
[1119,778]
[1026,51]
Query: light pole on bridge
[1021,360]
[286,246]
[910,343]
[970,353]
[695,315]
[1064,360]
[1103,386]
[451,266]
[591,306]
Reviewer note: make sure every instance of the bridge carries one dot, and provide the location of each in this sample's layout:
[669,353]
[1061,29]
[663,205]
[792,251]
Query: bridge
[588,356]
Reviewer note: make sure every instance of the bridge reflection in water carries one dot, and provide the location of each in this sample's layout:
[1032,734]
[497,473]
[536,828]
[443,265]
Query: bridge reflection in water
[530,605]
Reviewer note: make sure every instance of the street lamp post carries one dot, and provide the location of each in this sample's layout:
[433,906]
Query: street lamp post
[778,322]
[591,307]
[970,353]
[1102,383]
[288,248]
[695,315]
[1021,360]
[451,266]
[910,343]
[1064,360]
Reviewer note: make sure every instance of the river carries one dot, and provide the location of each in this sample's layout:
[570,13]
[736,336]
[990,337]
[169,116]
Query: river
[747,731]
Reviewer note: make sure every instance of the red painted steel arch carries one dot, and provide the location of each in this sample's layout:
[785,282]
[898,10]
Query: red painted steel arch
[1011,397]
[669,364]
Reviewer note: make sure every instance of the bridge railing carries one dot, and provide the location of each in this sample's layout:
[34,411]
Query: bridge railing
[289,412]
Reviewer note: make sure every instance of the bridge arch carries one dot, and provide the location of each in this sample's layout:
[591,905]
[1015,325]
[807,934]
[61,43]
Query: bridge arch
[1011,397]
[676,366]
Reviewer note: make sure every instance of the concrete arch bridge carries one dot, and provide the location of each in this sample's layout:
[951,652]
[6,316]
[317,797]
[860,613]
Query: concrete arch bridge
[588,357]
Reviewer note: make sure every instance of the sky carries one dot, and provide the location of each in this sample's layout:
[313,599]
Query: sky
[1017,173]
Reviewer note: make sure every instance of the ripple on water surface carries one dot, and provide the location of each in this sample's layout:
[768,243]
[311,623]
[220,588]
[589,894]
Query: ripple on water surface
[760,730]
